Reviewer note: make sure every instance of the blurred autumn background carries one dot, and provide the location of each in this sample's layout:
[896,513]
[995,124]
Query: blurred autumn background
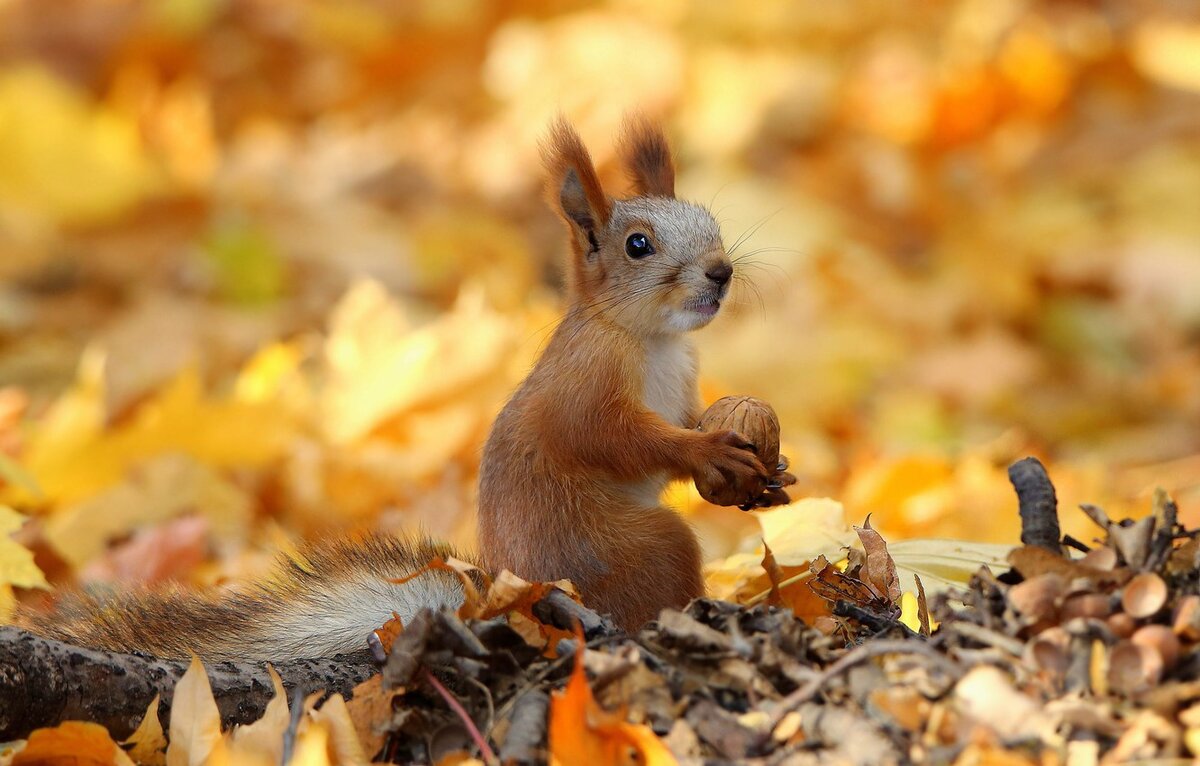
[268,269]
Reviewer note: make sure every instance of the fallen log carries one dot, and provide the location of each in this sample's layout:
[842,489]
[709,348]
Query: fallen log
[44,682]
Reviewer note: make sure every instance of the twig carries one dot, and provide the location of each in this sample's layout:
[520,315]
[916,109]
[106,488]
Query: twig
[556,664]
[767,593]
[1038,504]
[485,749]
[987,637]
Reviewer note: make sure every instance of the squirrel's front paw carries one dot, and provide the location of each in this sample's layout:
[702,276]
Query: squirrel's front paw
[774,494]
[729,473]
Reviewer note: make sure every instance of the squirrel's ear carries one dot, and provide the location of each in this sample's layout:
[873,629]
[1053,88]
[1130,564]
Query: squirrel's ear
[572,184]
[647,157]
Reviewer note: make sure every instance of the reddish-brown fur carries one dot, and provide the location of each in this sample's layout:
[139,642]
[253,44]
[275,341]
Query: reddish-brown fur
[570,472]
[645,151]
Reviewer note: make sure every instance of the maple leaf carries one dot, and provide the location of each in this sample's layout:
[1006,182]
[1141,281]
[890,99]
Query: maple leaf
[72,455]
[582,732]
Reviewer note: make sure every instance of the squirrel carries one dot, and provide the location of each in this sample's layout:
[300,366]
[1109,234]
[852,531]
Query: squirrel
[571,474]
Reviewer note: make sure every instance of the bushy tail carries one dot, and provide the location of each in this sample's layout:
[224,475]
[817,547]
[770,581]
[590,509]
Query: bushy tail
[325,602]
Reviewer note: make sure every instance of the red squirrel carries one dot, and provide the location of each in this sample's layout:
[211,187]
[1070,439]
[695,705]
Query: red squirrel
[573,469]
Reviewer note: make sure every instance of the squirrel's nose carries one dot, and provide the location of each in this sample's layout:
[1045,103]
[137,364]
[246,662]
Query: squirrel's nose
[720,273]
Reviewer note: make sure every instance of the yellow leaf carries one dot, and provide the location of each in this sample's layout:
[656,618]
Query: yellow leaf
[148,744]
[890,489]
[195,721]
[63,157]
[943,564]
[799,532]
[73,743]
[582,732]
[162,488]
[908,613]
[379,365]
[343,738]
[312,746]
[72,456]
[263,739]
[16,562]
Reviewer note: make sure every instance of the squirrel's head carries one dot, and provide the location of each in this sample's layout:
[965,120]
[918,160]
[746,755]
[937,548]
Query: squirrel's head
[651,262]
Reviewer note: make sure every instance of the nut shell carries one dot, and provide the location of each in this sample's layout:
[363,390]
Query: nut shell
[753,418]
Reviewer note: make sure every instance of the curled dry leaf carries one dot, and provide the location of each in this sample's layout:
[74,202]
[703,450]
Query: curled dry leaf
[195,728]
[1144,595]
[879,569]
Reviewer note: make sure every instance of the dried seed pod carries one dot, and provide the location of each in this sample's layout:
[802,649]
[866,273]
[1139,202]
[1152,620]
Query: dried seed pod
[1097,605]
[1049,651]
[752,418]
[1121,624]
[1104,559]
[1134,668]
[1037,597]
[1144,595]
[1161,639]
[1187,618]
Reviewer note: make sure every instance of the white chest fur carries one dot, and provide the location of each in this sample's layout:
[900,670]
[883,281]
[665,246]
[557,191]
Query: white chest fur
[669,378]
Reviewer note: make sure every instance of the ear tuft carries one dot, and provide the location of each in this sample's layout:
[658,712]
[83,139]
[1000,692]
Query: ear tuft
[647,158]
[572,185]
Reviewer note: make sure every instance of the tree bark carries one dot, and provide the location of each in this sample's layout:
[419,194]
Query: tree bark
[45,682]
[1038,504]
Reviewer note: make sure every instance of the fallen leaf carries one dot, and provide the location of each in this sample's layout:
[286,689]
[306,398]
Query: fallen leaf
[582,732]
[880,568]
[263,739]
[370,708]
[167,486]
[72,454]
[344,744]
[72,743]
[804,530]
[16,561]
[195,727]
[148,744]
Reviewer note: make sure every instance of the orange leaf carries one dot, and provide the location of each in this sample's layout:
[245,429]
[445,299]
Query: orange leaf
[388,632]
[73,743]
[582,732]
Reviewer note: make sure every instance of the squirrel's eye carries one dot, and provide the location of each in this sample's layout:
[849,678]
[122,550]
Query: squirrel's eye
[638,246]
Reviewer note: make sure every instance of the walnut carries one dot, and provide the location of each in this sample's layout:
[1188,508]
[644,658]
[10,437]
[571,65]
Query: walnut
[755,420]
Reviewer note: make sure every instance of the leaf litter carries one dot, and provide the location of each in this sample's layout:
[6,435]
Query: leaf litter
[1067,658]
